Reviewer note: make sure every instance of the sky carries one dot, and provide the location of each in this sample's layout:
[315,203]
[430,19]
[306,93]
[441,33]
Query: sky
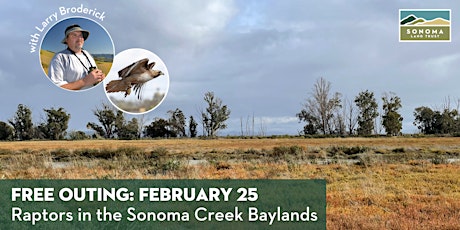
[261,57]
[98,41]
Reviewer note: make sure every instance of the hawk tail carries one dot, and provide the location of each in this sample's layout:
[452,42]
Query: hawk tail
[116,86]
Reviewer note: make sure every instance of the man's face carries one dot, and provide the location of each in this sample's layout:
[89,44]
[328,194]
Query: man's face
[75,41]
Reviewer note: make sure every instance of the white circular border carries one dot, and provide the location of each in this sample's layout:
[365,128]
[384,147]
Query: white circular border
[127,57]
[44,37]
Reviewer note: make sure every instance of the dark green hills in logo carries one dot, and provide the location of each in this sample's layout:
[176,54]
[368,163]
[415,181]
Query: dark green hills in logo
[411,19]
[424,25]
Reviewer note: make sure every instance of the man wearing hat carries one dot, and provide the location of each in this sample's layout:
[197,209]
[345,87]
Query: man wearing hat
[74,68]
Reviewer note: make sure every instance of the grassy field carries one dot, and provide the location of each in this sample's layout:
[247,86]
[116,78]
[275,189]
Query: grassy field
[372,183]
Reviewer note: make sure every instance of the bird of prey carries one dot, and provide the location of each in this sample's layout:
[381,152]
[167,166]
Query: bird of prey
[134,76]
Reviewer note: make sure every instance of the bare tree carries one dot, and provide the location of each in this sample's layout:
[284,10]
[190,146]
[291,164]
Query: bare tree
[458,104]
[339,119]
[319,110]
[263,128]
[142,123]
[351,116]
[241,126]
[249,126]
[248,129]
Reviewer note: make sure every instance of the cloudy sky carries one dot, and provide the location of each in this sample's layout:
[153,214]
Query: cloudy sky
[261,57]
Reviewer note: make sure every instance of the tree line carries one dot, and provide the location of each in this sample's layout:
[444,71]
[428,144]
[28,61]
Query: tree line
[323,113]
[328,113]
[112,124]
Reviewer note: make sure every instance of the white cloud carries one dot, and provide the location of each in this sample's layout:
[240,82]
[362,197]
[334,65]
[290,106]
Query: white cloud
[278,120]
[263,125]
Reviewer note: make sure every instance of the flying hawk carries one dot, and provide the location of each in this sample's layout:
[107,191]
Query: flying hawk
[134,75]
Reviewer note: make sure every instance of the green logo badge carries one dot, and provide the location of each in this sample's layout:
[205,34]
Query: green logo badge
[424,25]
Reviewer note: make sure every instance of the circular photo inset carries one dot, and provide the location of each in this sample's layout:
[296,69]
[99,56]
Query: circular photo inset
[138,82]
[76,53]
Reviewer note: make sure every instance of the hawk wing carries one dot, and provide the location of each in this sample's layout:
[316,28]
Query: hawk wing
[138,89]
[138,86]
[137,67]
[151,65]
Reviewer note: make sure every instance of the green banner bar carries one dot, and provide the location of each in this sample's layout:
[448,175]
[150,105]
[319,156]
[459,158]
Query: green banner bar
[164,204]
[425,33]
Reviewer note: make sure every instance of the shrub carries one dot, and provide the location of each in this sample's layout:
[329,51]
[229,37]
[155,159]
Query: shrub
[78,135]
[368,160]
[158,152]
[334,150]
[399,150]
[170,165]
[6,131]
[60,154]
[222,165]
[439,160]
[285,150]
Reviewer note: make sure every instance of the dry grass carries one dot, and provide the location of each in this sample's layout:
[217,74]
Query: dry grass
[196,145]
[395,184]
[45,58]
[104,66]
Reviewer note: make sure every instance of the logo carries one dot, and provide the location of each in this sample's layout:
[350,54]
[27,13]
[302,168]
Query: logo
[424,25]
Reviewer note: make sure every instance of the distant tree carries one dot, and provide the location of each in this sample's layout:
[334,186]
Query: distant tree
[448,121]
[425,120]
[6,131]
[158,128]
[367,106]
[192,127]
[142,120]
[177,122]
[119,122]
[249,126]
[107,118]
[430,121]
[55,127]
[126,130]
[216,114]
[22,123]
[133,128]
[351,116]
[37,133]
[78,135]
[99,131]
[320,109]
[130,130]
[339,122]
[312,124]
[392,119]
